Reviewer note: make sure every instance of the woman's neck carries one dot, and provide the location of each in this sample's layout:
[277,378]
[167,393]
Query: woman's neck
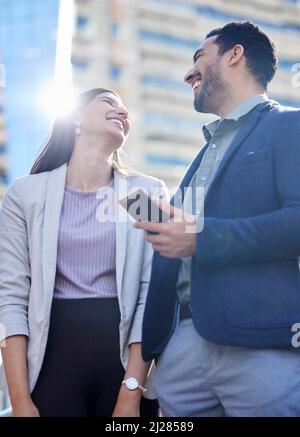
[88,171]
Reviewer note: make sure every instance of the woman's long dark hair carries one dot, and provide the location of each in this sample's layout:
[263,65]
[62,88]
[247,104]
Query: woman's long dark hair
[60,142]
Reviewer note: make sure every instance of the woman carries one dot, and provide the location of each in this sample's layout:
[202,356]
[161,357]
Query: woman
[72,286]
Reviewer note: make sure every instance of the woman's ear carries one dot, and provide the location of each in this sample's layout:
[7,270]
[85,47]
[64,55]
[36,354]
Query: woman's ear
[78,130]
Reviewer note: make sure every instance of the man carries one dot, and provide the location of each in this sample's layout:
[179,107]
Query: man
[232,355]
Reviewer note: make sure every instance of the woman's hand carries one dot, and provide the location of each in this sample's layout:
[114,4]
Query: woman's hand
[128,403]
[25,408]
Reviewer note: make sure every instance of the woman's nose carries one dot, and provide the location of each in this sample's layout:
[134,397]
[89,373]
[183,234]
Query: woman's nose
[123,111]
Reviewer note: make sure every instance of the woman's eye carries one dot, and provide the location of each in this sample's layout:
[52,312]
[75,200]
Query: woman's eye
[108,101]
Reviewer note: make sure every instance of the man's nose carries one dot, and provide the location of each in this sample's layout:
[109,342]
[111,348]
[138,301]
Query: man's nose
[189,75]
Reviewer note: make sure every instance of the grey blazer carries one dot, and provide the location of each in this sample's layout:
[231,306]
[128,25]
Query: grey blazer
[29,223]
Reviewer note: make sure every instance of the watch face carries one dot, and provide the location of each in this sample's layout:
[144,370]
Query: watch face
[132,383]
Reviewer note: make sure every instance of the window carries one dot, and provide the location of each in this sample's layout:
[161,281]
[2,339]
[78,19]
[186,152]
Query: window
[80,64]
[81,22]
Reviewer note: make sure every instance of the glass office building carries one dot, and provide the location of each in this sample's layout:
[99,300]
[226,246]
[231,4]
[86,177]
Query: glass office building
[3,151]
[142,49]
[28,31]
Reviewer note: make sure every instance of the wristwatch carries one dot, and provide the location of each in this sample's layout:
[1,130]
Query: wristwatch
[133,384]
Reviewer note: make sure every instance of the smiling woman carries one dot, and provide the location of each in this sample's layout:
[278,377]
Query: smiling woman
[87,114]
[61,265]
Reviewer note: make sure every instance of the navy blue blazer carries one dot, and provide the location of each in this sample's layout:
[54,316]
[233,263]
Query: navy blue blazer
[245,280]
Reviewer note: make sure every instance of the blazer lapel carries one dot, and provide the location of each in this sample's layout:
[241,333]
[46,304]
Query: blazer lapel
[193,168]
[245,131]
[53,205]
[120,191]
[54,200]
[168,267]
[188,175]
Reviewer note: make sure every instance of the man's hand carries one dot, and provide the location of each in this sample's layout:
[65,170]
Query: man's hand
[177,237]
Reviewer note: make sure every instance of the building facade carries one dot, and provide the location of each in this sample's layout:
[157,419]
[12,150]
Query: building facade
[28,32]
[3,140]
[27,58]
[142,49]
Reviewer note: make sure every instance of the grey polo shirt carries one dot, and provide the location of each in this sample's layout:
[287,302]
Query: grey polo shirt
[219,135]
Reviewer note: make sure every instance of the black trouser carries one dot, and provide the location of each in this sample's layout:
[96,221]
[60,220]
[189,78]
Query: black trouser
[82,372]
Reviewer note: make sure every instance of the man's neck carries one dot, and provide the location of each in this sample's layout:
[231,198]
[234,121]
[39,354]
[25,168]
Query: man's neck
[234,102]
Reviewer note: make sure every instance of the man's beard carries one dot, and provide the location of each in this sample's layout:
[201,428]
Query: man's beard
[211,94]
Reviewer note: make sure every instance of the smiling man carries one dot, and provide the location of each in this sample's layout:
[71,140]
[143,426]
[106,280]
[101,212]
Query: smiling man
[222,302]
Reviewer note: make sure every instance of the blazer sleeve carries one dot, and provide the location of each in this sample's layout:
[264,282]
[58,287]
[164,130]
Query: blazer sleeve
[135,335]
[14,265]
[273,236]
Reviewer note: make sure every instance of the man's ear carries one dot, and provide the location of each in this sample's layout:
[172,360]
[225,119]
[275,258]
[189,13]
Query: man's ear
[235,54]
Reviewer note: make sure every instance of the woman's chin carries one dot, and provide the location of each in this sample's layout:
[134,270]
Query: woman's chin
[117,134]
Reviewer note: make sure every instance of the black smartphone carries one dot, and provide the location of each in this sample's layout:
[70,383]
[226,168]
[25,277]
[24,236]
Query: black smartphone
[142,208]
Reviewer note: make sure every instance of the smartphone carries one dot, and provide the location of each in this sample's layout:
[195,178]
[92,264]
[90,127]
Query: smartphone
[141,207]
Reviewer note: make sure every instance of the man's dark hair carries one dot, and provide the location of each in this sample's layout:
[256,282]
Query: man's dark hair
[259,49]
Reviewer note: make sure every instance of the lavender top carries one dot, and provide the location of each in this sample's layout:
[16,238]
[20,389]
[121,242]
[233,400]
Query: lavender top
[86,257]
